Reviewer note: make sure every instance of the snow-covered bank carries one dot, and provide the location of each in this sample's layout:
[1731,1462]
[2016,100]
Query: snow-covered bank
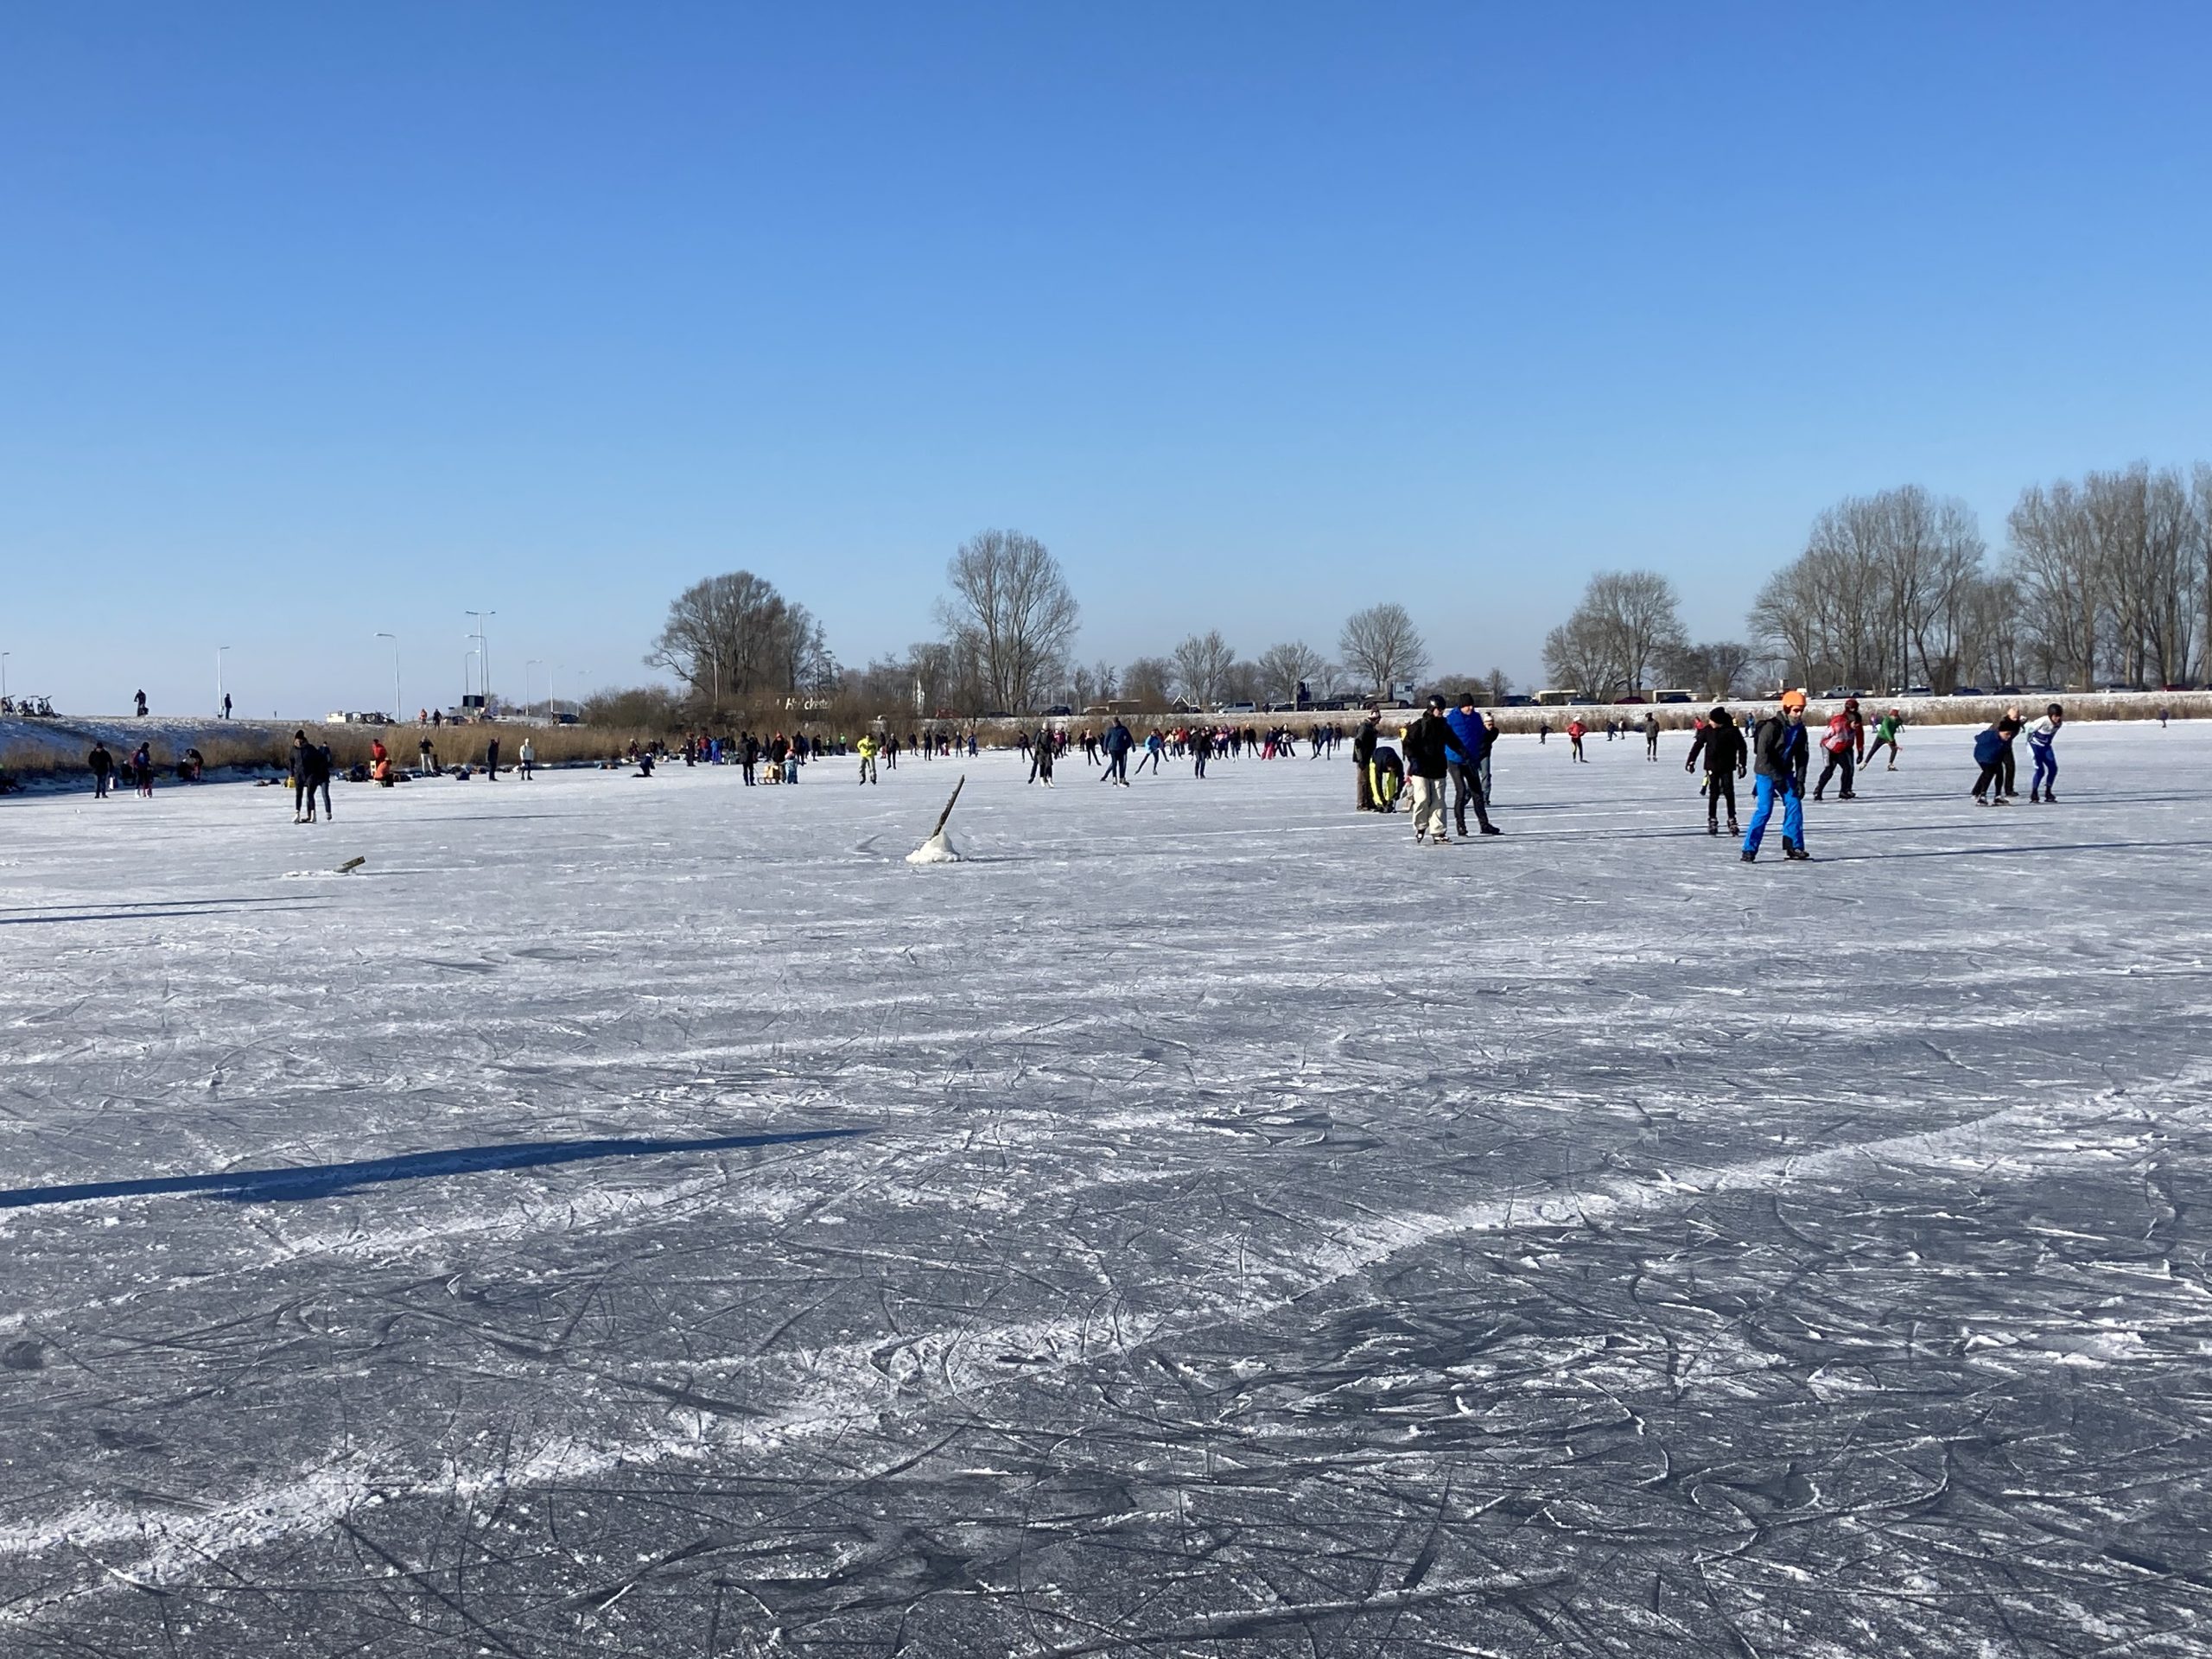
[1236,1229]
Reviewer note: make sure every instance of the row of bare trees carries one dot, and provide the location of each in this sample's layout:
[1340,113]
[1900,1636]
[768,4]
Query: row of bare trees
[1625,636]
[2106,581]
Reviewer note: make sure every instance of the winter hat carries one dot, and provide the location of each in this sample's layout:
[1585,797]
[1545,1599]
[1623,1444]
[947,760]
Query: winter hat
[1793,700]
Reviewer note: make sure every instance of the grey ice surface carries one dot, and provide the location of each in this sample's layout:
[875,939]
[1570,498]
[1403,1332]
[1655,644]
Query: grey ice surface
[648,1217]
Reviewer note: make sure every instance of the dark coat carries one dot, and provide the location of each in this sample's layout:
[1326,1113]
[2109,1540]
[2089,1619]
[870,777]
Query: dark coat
[1782,750]
[1431,744]
[1721,745]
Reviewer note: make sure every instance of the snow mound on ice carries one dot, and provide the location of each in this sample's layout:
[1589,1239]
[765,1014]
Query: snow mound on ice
[938,849]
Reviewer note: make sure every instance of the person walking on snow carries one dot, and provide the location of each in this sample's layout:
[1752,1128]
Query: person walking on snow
[310,772]
[1726,758]
[2044,785]
[102,766]
[1650,737]
[1780,751]
[1474,737]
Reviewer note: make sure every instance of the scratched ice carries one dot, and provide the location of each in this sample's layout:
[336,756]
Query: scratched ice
[649,1218]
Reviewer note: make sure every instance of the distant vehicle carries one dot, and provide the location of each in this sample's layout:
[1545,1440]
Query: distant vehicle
[1968,691]
[1517,701]
[1678,693]
[1917,692]
[2181,685]
[1847,691]
[2115,685]
[1239,708]
[1554,698]
[994,714]
[2008,691]
[1633,696]
[1060,709]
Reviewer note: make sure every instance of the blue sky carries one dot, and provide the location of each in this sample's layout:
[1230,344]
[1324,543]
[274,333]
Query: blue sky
[320,321]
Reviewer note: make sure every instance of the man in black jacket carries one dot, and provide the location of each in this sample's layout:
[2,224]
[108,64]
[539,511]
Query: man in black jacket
[1725,760]
[1430,742]
[1780,749]
[103,765]
[1363,757]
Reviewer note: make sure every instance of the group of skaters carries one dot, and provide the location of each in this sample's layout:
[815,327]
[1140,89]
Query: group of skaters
[1443,747]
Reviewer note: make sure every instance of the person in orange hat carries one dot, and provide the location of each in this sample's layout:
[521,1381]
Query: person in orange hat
[1780,750]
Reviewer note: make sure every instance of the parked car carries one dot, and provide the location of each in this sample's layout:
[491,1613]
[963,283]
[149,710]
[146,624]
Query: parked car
[1060,709]
[1968,691]
[1519,702]
[1915,691]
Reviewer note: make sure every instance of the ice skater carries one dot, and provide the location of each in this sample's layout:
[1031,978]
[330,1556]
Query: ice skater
[1363,761]
[1117,744]
[2041,741]
[103,766]
[1844,744]
[1781,751]
[1993,749]
[492,759]
[1469,775]
[1040,758]
[868,748]
[1720,744]
[1574,731]
[1652,737]
[141,771]
[1885,736]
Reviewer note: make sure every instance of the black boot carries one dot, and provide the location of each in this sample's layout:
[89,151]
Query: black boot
[1750,858]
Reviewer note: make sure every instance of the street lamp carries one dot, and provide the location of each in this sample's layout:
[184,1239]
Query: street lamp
[219,650]
[483,657]
[394,638]
[466,657]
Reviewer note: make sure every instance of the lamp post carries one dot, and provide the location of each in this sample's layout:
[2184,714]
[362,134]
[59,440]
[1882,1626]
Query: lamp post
[219,650]
[483,657]
[466,657]
[394,638]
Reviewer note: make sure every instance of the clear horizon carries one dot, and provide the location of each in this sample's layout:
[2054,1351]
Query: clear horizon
[324,324]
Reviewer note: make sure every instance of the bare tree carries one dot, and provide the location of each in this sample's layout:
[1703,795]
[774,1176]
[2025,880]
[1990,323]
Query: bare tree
[1499,686]
[1011,612]
[1202,665]
[734,637]
[1580,656]
[1149,681]
[1382,645]
[1717,668]
[1284,668]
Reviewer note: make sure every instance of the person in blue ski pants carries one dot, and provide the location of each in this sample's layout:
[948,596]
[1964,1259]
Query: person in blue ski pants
[2043,738]
[1780,749]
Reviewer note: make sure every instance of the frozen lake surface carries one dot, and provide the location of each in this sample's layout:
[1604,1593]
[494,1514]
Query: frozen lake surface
[648,1217]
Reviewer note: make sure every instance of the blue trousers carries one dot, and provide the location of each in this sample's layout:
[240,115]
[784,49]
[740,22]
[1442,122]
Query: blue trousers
[2046,769]
[1793,813]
